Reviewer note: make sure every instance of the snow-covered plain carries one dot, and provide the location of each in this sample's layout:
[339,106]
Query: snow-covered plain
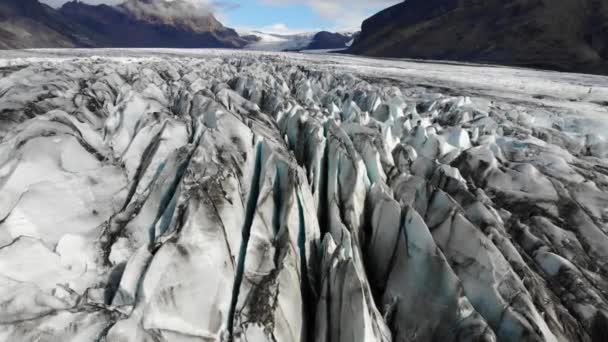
[215,195]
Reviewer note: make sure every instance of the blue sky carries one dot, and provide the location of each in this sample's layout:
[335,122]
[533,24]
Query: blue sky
[285,16]
[256,14]
[303,15]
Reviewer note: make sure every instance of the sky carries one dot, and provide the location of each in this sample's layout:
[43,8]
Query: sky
[284,16]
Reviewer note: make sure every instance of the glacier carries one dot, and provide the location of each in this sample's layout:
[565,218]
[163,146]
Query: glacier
[215,195]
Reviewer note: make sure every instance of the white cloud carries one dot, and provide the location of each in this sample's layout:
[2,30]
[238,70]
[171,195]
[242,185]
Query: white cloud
[58,3]
[346,14]
[278,28]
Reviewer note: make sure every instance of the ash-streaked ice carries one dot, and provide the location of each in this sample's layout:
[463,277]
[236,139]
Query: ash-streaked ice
[216,195]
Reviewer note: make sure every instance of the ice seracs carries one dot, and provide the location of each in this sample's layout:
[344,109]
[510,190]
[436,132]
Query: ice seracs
[253,197]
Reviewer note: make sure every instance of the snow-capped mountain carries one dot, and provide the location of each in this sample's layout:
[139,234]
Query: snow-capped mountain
[564,35]
[214,195]
[322,40]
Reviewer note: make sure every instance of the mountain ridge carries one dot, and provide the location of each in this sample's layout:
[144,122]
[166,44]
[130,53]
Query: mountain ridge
[565,36]
[127,25]
[134,23]
[29,23]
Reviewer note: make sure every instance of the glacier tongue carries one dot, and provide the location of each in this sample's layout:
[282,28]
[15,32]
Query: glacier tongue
[252,197]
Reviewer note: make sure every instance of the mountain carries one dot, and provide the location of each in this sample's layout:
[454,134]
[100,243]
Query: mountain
[134,23]
[322,40]
[28,23]
[565,35]
[329,40]
[152,23]
[140,23]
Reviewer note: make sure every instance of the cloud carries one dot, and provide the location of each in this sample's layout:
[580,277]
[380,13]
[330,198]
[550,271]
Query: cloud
[346,14]
[225,5]
[166,8]
[278,28]
[202,4]
[58,3]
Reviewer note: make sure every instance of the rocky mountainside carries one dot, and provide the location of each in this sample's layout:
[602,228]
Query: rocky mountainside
[135,23]
[152,23]
[329,40]
[242,196]
[566,35]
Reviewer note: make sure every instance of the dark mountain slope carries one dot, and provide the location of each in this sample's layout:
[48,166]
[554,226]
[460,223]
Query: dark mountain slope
[135,23]
[566,35]
[28,23]
[152,23]
[329,40]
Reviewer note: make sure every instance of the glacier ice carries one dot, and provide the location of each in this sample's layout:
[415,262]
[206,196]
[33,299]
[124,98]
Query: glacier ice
[258,197]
